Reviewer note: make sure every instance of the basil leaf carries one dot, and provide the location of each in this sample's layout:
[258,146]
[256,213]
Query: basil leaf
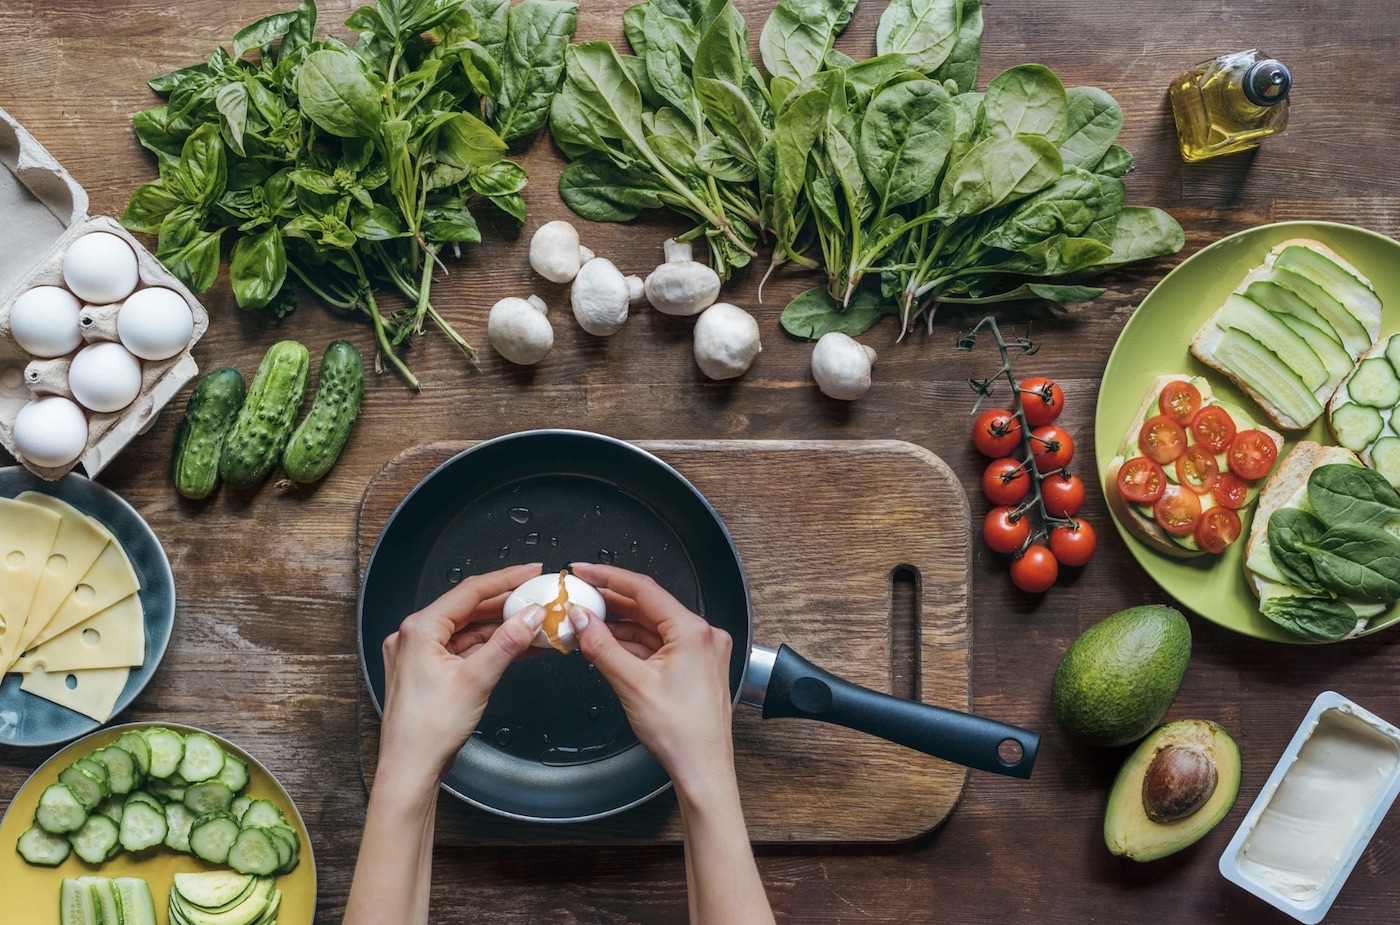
[188,251]
[262,33]
[1291,533]
[463,140]
[335,92]
[149,206]
[202,171]
[232,102]
[1343,494]
[924,31]
[499,179]
[258,268]
[815,312]
[1319,618]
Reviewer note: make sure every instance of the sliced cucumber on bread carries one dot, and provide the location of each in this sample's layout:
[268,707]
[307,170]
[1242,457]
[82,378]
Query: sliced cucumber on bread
[1362,412]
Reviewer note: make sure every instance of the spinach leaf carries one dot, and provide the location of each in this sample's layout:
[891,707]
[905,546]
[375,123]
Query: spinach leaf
[723,50]
[335,92]
[733,118]
[996,171]
[1291,534]
[1058,294]
[1320,618]
[924,31]
[1026,100]
[538,32]
[1117,162]
[1057,255]
[1141,233]
[601,191]
[1068,206]
[1094,121]
[815,312]
[492,21]
[962,64]
[905,138]
[1343,494]
[799,33]
[1358,562]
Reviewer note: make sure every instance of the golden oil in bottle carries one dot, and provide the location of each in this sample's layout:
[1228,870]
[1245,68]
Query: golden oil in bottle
[1230,104]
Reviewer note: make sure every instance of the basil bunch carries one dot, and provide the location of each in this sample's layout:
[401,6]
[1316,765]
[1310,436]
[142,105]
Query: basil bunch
[893,169]
[349,168]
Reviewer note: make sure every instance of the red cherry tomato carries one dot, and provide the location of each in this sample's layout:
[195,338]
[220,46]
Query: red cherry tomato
[1161,439]
[1063,495]
[1042,400]
[1178,510]
[1035,570]
[1230,491]
[1006,481]
[1003,531]
[1074,545]
[1213,427]
[1197,469]
[1052,446]
[997,433]
[1180,400]
[1217,529]
[1141,481]
[1252,454]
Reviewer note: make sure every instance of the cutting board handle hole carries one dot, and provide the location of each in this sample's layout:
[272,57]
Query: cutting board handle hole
[905,582]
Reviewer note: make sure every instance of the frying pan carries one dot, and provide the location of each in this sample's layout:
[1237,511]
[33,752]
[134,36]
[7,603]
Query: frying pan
[553,744]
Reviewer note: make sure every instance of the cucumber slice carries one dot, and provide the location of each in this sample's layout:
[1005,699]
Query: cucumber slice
[1392,352]
[97,771]
[1356,425]
[112,807]
[96,840]
[167,790]
[143,826]
[178,819]
[59,810]
[141,796]
[240,806]
[1288,304]
[1267,375]
[1341,284]
[104,899]
[212,835]
[135,745]
[234,772]
[254,852]
[122,775]
[138,905]
[1385,459]
[203,758]
[167,749]
[288,835]
[286,848]
[263,813]
[75,905]
[88,789]
[1353,333]
[209,797]
[1241,314]
[1374,383]
[1332,354]
[43,848]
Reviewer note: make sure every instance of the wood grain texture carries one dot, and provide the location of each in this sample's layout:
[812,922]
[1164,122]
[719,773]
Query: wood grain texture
[264,649]
[821,527]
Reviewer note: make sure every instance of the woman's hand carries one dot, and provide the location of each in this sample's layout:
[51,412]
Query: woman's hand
[442,664]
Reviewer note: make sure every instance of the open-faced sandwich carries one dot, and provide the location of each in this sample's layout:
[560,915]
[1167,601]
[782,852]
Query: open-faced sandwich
[1188,465]
[1292,331]
[1362,412]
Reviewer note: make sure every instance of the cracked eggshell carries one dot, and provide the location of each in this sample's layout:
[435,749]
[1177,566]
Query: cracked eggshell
[543,590]
[601,297]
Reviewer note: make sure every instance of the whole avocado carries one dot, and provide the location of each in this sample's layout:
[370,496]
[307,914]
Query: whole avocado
[1119,678]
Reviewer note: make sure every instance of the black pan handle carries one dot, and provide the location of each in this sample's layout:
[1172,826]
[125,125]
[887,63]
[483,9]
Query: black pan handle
[797,688]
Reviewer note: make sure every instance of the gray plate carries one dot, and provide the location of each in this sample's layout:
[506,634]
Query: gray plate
[31,721]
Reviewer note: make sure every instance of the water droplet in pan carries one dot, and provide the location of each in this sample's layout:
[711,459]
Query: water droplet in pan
[594,712]
[502,552]
[454,575]
[503,736]
[605,556]
[520,515]
[532,539]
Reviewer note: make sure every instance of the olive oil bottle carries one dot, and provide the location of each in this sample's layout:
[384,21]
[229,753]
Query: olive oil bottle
[1230,104]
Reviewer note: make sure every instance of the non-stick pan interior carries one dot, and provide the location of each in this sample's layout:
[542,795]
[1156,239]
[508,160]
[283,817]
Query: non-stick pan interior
[553,743]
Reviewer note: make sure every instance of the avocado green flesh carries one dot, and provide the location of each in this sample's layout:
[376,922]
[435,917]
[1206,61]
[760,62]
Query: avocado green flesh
[1129,832]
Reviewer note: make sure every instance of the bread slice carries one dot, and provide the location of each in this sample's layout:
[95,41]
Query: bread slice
[1205,346]
[1144,527]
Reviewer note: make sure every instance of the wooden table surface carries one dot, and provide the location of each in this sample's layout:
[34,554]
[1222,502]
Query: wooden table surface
[264,648]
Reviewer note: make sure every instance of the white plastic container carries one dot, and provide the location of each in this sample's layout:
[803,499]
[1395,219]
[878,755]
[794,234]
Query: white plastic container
[1318,810]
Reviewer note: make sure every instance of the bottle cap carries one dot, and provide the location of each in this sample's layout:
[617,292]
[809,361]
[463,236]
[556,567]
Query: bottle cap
[1267,83]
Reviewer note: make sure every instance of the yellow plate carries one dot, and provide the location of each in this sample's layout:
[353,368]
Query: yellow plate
[31,893]
[1156,342]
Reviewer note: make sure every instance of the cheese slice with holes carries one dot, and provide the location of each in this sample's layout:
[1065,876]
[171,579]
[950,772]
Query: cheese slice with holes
[93,693]
[114,638]
[110,579]
[79,542]
[27,536]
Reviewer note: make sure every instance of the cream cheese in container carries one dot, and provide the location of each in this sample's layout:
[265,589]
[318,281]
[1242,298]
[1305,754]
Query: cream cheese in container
[1318,810]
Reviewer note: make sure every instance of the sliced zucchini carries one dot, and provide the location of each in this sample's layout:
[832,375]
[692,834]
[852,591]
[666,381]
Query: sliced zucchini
[122,774]
[212,835]
[1356,425]
[254,852]
[1270,377]
[178,819]
[88,789]
[60,811]
[135,745]
[1385,459]
[1244,315]
[1341,284]
[203,758]
[209,797]
[143,826]
[167,749]
[97,840]
[43,848]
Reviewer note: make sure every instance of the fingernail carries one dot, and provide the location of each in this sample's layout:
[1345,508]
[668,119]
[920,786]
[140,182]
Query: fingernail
[578,617]
[538,565]
[533,616]
[574,565]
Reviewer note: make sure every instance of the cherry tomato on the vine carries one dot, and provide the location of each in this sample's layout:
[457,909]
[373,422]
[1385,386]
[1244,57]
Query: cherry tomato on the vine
[1180,400]
[1141,481]
[1217,529]
[1213,427]
[997,433]
[1006,481]
[1035,570]
[1042,400]
[1063,495]
[1074,545]
[1230,491]
[1052,446]
[1161,439]
[1252,454]
[1004,530]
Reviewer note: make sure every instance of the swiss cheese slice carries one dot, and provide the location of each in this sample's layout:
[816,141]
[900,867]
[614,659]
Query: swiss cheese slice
[114,638]
[27,534]
[79,542]
[93,693]
[110,579]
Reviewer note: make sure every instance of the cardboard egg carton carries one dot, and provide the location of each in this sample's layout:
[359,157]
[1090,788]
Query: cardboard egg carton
[45,210]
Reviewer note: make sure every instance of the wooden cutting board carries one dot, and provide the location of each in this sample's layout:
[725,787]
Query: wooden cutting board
[823,528]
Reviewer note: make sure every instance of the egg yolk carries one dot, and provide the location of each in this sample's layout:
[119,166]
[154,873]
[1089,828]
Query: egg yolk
[555,614]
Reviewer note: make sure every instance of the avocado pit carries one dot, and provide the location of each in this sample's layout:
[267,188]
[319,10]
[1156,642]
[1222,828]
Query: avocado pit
[1178,782]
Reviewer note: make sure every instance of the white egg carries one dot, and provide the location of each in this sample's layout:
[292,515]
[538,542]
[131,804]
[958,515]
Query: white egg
[100,268]
[155,323]
[44,322]
[51,431]
[544,590]
[105,377]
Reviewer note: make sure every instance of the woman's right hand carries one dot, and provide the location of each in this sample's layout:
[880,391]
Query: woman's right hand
[678,698]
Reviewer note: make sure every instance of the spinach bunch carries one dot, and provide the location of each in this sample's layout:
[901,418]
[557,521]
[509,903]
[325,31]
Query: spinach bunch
[1345,547]
[348,167]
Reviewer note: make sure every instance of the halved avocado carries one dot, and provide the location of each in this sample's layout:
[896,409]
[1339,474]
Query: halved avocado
[1128,828]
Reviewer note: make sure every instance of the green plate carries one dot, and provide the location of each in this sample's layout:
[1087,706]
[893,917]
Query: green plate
[1156,342]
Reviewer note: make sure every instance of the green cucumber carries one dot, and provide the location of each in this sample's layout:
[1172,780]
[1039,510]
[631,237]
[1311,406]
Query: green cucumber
[1244,315]
[317,443]
[1374,383]
[209,415]
[1356,425]
[1341,283]
[1385,458]
[1264,372]
[43,848]
[1353,334]
[264,423]
[96,840]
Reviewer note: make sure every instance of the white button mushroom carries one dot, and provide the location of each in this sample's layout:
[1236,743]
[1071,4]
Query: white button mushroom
[601,297]
[520,330]
[555,252]
[841,366]
[681,286]
[726,341]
